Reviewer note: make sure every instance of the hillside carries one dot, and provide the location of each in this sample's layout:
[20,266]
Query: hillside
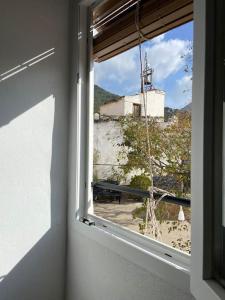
[187,108]
[101,96]
[169,113]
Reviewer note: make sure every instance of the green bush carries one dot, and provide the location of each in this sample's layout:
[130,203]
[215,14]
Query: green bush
[140,182]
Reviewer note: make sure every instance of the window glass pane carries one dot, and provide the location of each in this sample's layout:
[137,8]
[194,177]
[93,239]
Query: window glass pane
[142,138]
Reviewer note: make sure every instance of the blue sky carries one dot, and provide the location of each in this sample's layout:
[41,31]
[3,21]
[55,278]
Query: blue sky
[168,54]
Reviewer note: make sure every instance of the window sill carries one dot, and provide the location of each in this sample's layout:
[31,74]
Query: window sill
[207,290]
[174,270]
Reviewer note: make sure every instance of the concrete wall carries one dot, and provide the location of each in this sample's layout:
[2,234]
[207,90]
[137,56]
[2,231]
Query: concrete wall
[128,103]
[155,104]
[107,136]
[33,152]
[113,108]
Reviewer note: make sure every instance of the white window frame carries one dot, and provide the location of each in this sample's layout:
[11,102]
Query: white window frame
[139,249]
[200,288]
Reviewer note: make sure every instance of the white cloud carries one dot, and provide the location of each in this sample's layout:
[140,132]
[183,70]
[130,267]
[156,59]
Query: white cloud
[185,82]
[166,58]
[158,38]
[117,68]
[122,72]
[181,94]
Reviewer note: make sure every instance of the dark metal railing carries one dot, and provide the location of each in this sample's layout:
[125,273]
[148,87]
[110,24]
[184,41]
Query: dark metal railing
[144,194]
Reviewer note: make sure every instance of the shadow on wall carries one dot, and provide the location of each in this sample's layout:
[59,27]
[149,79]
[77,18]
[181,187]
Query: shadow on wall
[33,152]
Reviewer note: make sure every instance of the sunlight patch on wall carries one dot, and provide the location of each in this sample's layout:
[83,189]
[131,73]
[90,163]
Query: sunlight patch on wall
[27,64]
[25,176]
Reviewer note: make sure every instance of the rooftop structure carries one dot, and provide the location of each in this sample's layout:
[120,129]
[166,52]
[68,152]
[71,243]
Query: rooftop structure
[134,105]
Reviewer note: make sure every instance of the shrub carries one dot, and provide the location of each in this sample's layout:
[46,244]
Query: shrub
[140,182]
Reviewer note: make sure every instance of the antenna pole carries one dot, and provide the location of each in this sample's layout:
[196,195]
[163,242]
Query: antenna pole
[147,76]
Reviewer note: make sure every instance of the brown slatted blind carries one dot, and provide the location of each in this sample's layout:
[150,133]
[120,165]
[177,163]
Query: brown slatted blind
[117,31]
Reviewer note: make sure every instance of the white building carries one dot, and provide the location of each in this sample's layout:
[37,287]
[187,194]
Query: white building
[134,105]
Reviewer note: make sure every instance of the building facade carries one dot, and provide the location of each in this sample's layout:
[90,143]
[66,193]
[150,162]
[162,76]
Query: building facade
[135,105]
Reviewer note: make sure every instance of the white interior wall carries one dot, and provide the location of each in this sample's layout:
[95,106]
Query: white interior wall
[33,152]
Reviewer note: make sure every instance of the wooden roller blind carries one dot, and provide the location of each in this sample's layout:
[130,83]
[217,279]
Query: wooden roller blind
[114,23]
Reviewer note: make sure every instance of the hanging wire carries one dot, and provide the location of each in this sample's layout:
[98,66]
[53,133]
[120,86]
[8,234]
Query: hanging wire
[151,195]
[144,92]
[137,23]
[151,203]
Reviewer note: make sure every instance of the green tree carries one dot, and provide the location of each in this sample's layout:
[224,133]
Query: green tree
[170,147]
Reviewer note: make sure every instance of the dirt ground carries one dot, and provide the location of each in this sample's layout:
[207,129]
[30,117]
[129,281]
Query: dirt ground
[122,214]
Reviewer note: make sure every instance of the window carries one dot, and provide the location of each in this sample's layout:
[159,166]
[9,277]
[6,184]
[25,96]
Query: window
[203,284]
[136,121]
[124,103]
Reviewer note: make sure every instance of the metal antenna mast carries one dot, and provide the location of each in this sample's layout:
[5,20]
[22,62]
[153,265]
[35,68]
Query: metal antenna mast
[147,75]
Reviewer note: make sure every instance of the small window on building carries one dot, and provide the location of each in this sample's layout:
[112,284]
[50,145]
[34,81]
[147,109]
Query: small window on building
[136,110]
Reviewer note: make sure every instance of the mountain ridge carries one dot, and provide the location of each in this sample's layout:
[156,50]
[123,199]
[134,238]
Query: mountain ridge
[187,107]
[101,96]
